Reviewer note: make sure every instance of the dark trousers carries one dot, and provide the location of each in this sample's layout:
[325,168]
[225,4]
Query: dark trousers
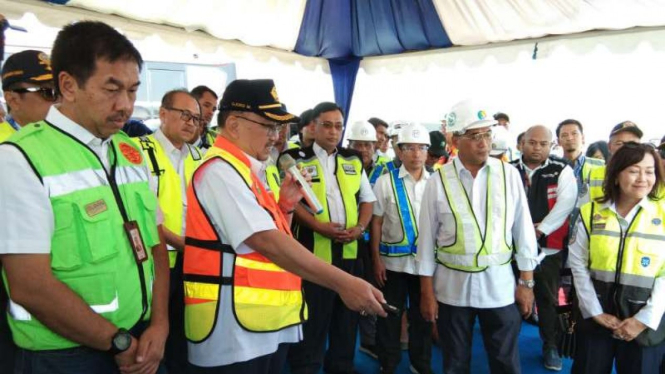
[366,324]
[397,288]
[500,328]
[7,347]
[268,364]
[175,351]
[79,360]
[546,292]
[329,319]
[597,353]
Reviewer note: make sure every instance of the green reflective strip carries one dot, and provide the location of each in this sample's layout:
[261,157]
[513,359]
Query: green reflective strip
[596,183]
[612,234]
[646,236]
[602,275]
[633,280]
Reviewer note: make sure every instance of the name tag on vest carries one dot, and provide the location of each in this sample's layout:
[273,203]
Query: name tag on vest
[313,171]
[349,169]
[96,207]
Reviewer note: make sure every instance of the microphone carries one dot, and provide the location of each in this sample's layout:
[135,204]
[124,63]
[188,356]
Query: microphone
[288,164]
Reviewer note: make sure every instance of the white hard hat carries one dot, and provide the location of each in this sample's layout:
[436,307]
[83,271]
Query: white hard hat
[362,131]
[396,126]
[413,133]
[468,115]
[500,141]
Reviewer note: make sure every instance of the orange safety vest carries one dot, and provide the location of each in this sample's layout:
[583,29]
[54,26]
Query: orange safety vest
[265,297]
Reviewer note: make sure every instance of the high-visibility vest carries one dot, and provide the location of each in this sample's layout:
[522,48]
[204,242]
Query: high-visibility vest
[473,251]
[292,145]
[348,174]
[90,251]
[377,171]
[273,179]
[265,297]
[169,183]
[407,246]
[6,130]
[624,265]
[596,178]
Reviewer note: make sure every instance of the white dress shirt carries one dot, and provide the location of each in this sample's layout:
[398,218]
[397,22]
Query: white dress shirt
[566,196]
[386,207]
[653,310]
[494,287]
[25,208]
[236,215]
[335,203]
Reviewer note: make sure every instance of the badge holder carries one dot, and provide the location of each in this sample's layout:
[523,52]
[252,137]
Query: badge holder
[135,241]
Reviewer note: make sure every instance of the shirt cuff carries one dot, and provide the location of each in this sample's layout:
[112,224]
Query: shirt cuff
[545,228]
[18,247]
[425,269]
[526,263]
[646,316]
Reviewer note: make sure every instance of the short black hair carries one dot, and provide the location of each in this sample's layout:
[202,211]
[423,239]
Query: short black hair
[169,98]
[520,137]
[78,47]
[501,115]
[198,92]
[569,122]
[377,122]
[630,154]
[324,107]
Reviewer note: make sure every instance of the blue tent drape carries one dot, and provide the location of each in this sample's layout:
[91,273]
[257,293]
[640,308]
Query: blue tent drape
[344,72]
[347,28]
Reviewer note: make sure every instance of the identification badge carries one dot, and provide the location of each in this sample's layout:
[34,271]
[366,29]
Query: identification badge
[135,240]
[96,207]
[349,169]
[599,226]
[313,171]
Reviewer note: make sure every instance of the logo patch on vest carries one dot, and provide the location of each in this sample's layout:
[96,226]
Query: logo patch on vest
[313,171]
[349,169]
[131,154]
[656,221]
[96,207]
[645,262]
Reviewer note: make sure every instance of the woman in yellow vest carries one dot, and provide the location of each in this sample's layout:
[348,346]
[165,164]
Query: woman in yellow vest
[617,256]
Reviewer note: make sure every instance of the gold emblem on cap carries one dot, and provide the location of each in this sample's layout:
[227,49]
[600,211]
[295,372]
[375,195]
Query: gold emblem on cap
[44,60]
[273,93]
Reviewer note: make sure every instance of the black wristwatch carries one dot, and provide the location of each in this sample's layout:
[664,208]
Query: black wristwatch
[121,342]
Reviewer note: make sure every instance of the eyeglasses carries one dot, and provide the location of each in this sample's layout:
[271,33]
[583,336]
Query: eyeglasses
[479,136]
[186,115]
[329,126]
[414,148]
[272,129]
[46,93]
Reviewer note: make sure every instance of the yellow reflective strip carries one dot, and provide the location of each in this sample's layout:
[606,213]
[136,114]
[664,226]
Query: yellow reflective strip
[257,265]
[203,291]
[263,296]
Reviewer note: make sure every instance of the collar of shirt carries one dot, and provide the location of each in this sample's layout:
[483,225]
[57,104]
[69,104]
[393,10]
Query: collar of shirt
[531,171]
[169,148]
[258,168]
[462,170]
[79,132]
[644,204]
[322,153]
[12,122]
[404,174]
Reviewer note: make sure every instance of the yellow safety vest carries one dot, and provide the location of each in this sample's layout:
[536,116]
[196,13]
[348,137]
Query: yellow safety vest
[273,179]
[6,130]
[349,169]
[625,264]
[169,183]
[473,251]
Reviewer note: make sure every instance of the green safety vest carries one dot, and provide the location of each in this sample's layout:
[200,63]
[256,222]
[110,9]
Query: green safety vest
[407,246]
[624,265]
[169,183]
[349,169]
[6,130]
[90,251]
[472,250]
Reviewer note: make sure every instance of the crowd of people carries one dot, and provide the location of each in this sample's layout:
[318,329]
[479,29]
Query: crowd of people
[229,248]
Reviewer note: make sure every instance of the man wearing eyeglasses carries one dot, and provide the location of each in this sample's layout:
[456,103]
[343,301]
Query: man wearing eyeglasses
[172,162]
[243,292]
[551,191]
[474,217]
[207,99]
[27,84]
[342,187]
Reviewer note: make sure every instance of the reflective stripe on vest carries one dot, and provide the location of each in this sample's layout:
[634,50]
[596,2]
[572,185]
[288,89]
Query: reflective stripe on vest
[169,183]
[376,173]
[265,297]
[90,251]
[407,246]
[348,174]
[273,179]
[472,251]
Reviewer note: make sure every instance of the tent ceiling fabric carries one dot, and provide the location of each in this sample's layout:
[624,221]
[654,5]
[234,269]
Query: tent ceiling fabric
[349,29]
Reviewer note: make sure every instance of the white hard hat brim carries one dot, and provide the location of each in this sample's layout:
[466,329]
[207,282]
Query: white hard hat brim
[481,124]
